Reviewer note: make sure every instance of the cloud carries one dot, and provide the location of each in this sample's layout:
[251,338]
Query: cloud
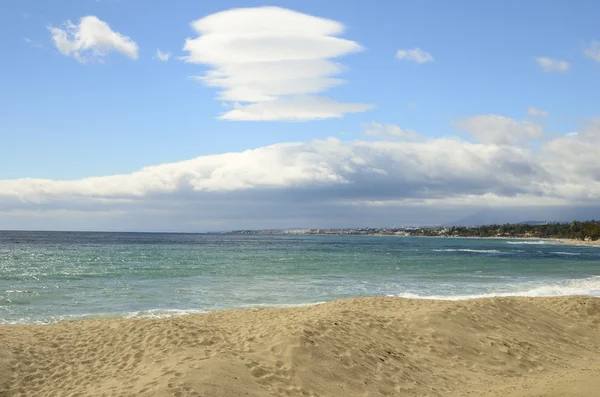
[416,55]
[326,182]
[90,38]
[293,109]
[321,168]
[593,51]
[32,43]
[536,112]
[578,154]
[553,65]
[270,62]
[162,56]
[500,130]
[379,130]
[391,180]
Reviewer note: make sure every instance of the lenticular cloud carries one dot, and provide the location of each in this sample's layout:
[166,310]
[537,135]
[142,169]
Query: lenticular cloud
[269,62]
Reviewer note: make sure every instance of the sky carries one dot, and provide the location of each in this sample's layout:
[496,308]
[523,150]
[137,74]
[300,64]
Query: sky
[203,116]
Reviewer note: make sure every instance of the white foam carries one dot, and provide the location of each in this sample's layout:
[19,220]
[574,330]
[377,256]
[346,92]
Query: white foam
[466,250]
[278,305]
[533,242]
[162,313]
[589,286]
[153,313]
[565,253]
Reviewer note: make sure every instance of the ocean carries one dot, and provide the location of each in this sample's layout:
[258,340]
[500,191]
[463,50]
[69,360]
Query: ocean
[47,277]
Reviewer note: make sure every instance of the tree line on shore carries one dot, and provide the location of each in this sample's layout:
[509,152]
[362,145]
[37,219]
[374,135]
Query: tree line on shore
[588,230]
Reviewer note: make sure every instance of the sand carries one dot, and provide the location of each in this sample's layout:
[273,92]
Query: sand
[505,347]
[571,241]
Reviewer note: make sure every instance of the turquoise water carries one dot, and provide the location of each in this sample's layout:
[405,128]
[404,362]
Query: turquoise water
[52,276]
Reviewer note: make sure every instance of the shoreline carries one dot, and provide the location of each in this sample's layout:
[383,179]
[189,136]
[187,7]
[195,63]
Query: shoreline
[185,313]
[160,314]
[581,243]
[550,240]
[555,240]
[377,346]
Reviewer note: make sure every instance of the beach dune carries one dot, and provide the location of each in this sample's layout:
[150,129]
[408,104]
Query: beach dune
[358,347]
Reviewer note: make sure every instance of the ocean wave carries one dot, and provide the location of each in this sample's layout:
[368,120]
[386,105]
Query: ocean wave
[277,305]
[589,286]
[565,253]
[467,250]
[162,313]
[534,242]
[152,313]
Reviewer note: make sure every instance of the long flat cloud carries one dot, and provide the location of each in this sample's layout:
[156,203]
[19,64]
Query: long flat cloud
[271,62]
[280,181]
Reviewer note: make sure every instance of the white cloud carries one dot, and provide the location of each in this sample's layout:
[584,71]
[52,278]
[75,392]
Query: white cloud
[553,65]
[162,56]
[432,168]
[573,160]
[416,55]
[593,51]
[500,130]
[325,182]
[92,37]
[293,109]
[270,62]
[380,130]
[537,112]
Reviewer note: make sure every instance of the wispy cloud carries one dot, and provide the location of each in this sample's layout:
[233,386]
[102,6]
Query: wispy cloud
[537,112]
[386,131]
[297,108]
[500,130]
[91,38]
[162,56]
[416,55]
[269,62]
[32,43]
[553,65]
[593,51]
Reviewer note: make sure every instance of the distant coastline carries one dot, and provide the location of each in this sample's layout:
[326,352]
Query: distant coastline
[573,233]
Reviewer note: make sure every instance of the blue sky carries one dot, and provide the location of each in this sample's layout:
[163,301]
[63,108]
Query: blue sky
[67,120]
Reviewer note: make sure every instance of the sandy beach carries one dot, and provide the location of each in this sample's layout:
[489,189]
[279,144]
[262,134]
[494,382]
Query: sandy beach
[570,241]
[358,347]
